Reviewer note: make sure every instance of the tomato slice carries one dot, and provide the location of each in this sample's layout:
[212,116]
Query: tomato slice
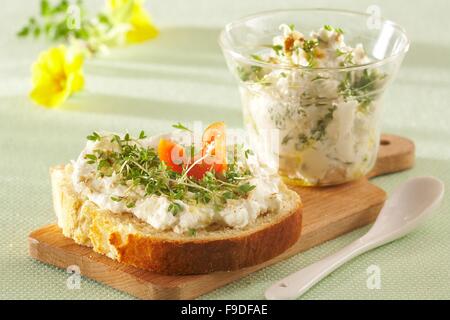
[172,154]
[214,141]
[214,149]
[199,170]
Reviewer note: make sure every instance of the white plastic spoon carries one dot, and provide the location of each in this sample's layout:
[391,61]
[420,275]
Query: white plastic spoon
[410,204]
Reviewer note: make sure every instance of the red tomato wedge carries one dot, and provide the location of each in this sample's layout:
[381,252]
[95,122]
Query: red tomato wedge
[199,170]
[214,150]
[214,141]
[172,154]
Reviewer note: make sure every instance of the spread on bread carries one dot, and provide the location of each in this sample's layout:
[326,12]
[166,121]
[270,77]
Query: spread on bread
[176,185]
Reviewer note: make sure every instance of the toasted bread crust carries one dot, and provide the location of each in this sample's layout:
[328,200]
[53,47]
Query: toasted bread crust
[204,256]
[86,224]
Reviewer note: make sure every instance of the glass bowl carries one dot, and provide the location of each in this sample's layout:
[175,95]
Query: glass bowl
[319,124]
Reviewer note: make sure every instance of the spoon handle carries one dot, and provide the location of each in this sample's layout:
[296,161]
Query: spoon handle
[299,282]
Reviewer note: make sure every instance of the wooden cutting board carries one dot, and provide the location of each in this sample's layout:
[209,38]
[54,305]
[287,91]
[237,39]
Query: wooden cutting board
[328,213]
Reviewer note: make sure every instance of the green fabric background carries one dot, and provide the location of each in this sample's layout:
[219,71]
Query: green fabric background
[182,76]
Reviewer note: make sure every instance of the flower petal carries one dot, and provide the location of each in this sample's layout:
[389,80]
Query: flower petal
[56,75]
[78,82]
[48,95]
[74,62]
[142,28]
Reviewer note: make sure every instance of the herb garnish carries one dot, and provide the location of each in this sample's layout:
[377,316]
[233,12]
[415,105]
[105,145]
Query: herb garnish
[330,28]
[139,169]
[93,137]
[278,49]
[317,133]
[142,135]
[181,127]
[362,87]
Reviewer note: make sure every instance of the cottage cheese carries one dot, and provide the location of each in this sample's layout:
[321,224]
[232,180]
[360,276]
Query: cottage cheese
[326,119]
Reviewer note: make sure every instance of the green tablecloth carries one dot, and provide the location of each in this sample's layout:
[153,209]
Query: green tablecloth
[182,76]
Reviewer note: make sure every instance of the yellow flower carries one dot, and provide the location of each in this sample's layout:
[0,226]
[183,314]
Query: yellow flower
[56,75]
[132,12]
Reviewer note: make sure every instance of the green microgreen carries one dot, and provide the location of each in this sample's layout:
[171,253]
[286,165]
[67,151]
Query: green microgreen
[330,28]
[247,153]
[175,208]
[277,48]
[93,137]
[142,135]
[339,52]
[256,57]
[180,126]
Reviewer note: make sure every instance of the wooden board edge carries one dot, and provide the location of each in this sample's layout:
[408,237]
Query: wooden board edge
[395,154]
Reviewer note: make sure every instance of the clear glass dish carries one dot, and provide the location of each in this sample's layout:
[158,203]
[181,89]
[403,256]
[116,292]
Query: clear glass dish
[319,125]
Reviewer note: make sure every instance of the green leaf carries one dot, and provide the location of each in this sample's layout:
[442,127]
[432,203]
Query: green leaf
[61,31]
[256,57]
[90,157]
[23,32]
[116,199]
[192,232]
[339,52]
[181,127]
[277,48]
[247,153]
[94,137]
[246,188]
[228,195]
[175,208]
[142,135]
[45,8]
[103,163]
[103,18]
[61,7]
[37,32]
[131,205]
[48,28]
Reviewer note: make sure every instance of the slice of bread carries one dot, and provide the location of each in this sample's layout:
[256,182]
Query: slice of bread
[127,239]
